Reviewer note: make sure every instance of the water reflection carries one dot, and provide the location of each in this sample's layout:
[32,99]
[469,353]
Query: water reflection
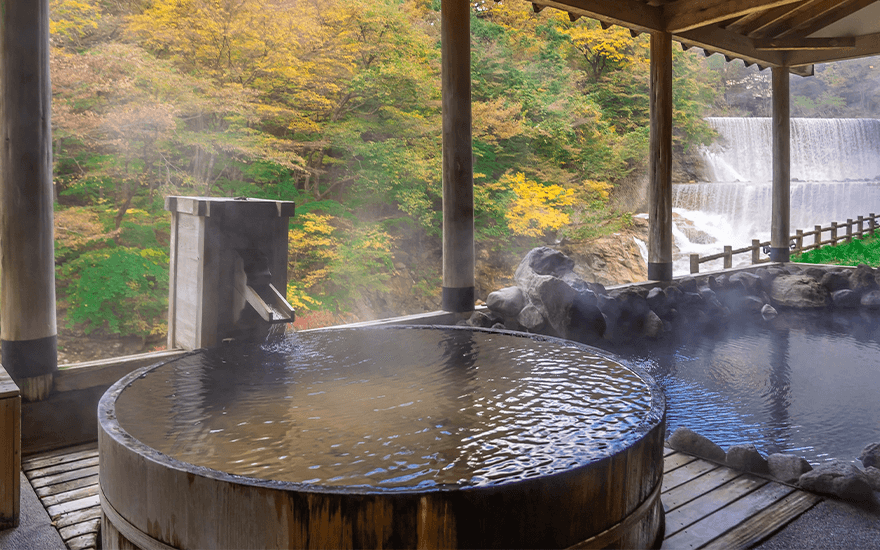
[805,382]
[388,408]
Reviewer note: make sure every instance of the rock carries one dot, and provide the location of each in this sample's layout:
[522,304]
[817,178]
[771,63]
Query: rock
[688,441]
[845,299]
[585,322]
[652,325]
[766,276]
[871,300]
[507,302]
[687,284]
[768,312]
[798,291]
[656,299]
[787,468]
[746,458]
[542,261]
[839,479]
[480,319]
[751,281]
[814,272]
[861,279]
[553,297]
[834,281]
[870,455]
[873,475]
[531,319]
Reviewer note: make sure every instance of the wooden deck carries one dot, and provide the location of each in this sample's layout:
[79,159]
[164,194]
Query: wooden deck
[707,505]
[66,482]
[712,506]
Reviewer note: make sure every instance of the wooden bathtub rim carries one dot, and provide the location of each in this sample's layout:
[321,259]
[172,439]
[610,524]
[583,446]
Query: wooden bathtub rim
[123,451]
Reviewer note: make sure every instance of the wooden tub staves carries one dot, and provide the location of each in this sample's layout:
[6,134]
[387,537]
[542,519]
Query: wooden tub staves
[151,500]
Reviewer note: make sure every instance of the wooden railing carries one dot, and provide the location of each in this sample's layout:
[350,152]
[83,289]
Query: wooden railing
[838,232]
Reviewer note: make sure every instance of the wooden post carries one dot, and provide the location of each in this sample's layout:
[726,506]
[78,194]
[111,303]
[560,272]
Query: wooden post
[861,222]
[833,233]
[27,255]
[781,207]
[756,251]
[695,263]
[799,241]
[728,257]
[660,160]
[458,177]
[817,237]
[872,225]
[10,451]
[849,224]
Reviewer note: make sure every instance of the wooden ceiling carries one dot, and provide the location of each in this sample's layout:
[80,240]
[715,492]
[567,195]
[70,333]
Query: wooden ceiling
[770,33]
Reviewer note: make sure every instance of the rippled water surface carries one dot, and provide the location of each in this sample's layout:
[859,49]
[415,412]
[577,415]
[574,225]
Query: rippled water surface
[394,408]
[807,383]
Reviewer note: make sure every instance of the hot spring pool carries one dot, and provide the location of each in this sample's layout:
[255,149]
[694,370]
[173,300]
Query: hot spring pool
[805,383]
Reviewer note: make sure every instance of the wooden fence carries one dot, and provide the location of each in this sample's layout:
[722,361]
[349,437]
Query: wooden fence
[838,232]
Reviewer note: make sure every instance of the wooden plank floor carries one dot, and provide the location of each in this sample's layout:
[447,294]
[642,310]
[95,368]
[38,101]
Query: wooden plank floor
[707,505]
[712,506]
[66,482]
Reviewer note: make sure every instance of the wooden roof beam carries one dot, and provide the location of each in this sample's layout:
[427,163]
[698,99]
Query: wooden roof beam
[754,23]
[865,46]
[824,18]
[632,14]
[731,44]
[685,15]
[792,44]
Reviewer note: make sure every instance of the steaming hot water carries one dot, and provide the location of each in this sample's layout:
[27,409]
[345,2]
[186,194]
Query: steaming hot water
[835,175]
[389,408]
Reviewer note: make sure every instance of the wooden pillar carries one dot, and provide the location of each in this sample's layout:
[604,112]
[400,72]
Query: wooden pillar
[458,177]
[781,207]
[660,162]
[29,335]
[10,451]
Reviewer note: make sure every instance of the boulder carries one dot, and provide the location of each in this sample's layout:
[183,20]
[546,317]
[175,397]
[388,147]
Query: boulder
[585,323]
[531,319]
[656,299]
[768,312]
[871,300]
[688,441]
[652,325]
[786,467]
[873,475]
[798,291]
[751,281]
[861,279]
[553,297]
[837,478]
[845,299]
[835,280]
[746,458]
[542,261]
[507,302]
[482,320]
[870,455]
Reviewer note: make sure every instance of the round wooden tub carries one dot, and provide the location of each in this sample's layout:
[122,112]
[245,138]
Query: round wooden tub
[436,437]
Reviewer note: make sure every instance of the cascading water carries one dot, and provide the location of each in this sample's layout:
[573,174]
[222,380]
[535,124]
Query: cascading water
[835,175]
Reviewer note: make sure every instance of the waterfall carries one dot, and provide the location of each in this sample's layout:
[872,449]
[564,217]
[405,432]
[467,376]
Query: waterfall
[835,173]
[822,149]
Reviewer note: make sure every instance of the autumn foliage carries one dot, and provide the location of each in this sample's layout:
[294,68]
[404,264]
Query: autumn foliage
[335,104]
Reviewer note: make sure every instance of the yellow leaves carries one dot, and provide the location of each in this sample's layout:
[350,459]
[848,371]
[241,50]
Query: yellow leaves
[536,208]
[597,189]
[72,20]
[496,120]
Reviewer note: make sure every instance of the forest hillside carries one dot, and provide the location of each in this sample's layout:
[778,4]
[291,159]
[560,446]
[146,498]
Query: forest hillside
[335,104]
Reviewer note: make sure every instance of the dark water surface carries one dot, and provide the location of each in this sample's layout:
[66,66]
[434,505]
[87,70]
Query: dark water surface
[806,383]
[396,408]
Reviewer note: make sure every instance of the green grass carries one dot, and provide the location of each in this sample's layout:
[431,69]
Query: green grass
[859,251]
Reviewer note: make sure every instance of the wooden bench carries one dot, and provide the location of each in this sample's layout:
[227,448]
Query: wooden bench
[10,450]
